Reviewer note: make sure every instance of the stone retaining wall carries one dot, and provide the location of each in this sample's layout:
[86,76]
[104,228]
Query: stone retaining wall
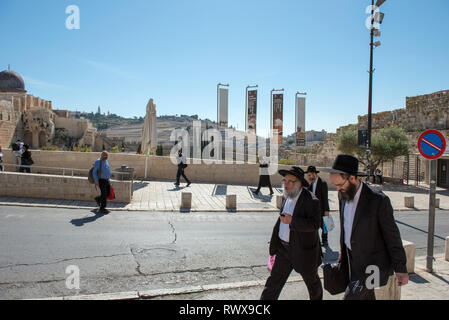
[57,187]
[160,168]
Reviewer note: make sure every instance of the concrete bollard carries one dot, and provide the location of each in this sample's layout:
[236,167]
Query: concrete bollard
[186,200]
[409,202]
[410,249]
[231,202]
[437,203]
[279,201]
[446,256]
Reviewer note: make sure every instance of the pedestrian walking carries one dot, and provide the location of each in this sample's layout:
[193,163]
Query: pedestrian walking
[182,164]
[17,149]
[319,188]
[264,176]
[26,160]
[295,241]
[369,237]
[102,176]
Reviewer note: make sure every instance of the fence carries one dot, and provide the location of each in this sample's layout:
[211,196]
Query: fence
[410,170]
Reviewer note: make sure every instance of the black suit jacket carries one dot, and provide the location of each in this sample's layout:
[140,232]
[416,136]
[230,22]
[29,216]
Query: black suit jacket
[304,249]
[375,238]
[321,192]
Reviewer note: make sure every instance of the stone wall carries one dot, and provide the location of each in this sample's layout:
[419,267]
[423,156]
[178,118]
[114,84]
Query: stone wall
[158,168]
[57,187]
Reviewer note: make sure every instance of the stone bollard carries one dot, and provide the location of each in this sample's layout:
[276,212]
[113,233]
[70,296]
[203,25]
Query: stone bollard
[446,257]
[279,201]
[231,202]
[437,203]
[186,200]
[409,202]
[410,249]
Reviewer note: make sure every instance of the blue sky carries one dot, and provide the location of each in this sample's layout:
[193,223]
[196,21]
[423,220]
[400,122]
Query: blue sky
[177,51]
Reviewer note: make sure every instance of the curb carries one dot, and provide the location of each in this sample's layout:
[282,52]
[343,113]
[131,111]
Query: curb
[149,294]
[43,205]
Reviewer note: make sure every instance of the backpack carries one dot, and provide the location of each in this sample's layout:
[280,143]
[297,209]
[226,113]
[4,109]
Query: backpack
[90,176]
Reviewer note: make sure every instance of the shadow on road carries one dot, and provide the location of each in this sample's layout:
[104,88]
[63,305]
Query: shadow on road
[82,221]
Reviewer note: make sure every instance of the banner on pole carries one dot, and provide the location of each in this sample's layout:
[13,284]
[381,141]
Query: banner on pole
[301,122]
[278,108]
[223,107]
[252,111]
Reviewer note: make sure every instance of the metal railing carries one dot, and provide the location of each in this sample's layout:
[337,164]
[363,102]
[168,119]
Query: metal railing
[84,172]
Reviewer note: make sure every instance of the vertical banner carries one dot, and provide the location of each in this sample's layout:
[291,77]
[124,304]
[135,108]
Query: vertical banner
[301,121]
[278,107]
[252,111]
[223,107]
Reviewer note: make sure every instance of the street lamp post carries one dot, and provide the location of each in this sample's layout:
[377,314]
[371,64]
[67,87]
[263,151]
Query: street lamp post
[373,32]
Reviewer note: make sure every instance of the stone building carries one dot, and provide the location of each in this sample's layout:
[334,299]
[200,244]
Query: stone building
[33,120]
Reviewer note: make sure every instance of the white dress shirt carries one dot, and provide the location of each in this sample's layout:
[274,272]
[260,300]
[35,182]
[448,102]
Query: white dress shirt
[348,215]
[289,207]
[314,185]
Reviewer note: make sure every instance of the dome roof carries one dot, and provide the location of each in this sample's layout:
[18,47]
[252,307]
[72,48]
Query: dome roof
[11,81]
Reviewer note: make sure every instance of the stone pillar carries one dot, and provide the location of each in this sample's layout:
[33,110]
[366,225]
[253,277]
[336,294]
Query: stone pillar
[409,202]
[186,200]
[410,249]
[231,202]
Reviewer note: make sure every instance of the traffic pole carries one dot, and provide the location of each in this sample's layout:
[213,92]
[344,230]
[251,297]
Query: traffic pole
[430,236]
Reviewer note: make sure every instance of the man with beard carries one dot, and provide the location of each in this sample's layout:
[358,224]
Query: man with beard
[295,240]
[369,235]
[319,188]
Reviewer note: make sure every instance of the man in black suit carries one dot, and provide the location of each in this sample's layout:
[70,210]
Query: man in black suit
[369,235]
[295,240]
[182,164]
[319,188]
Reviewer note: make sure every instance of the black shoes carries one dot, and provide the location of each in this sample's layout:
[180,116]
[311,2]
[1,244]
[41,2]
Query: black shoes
[103,211]
[188,184]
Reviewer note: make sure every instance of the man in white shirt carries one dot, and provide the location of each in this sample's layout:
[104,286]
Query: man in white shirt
[369,234]
[294,240]
[182,164]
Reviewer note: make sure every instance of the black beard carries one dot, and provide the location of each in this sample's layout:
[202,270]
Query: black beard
[349,194]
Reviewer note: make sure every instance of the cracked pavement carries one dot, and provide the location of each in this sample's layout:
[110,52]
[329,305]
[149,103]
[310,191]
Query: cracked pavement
[129,251]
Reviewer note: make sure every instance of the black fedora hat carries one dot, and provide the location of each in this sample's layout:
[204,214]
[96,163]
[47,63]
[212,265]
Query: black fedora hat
[345,164]
[312,169]
[297,172]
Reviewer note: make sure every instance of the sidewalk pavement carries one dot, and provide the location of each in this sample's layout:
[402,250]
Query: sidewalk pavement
[209,197]
[422,286]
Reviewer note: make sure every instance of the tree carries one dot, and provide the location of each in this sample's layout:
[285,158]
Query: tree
[386,145]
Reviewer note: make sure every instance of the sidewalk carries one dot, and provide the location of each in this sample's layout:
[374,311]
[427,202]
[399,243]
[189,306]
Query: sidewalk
[208,197]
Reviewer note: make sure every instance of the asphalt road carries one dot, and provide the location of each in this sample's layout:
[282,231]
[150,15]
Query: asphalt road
[128,251]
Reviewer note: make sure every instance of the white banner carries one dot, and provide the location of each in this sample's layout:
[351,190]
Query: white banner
[223,107]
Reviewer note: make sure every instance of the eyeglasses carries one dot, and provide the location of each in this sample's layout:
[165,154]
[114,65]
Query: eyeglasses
[286,181]
[340,185]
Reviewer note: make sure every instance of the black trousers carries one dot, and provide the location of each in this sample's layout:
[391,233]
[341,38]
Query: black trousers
[105,189]
[281,271]
[357,289]
[268,185]
[179,174]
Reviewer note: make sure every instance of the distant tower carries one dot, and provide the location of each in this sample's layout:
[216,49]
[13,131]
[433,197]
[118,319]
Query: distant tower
[99,110]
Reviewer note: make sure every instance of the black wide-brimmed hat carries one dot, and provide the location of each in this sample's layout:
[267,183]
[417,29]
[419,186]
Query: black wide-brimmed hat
[312,169]
[297,172]
[345,164]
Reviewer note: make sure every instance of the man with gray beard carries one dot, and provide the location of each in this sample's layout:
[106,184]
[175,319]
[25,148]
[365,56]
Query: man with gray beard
[295,241]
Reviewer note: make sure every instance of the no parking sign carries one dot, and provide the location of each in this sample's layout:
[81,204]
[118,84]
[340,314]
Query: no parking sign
[431,144]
